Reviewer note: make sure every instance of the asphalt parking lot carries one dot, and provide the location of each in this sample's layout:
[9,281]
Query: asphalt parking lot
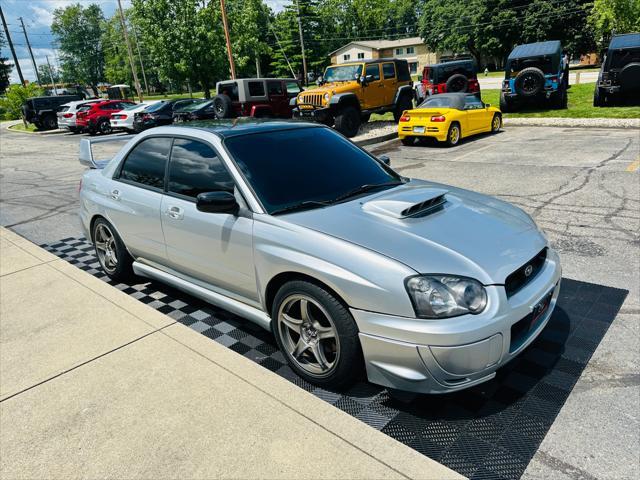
[581,185]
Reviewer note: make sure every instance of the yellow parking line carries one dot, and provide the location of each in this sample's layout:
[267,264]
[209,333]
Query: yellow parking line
[633,166]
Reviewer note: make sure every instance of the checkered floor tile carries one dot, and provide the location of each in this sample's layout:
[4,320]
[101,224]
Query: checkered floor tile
[487,432]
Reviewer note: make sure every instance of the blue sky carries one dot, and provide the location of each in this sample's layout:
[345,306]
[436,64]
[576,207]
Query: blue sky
[37,16]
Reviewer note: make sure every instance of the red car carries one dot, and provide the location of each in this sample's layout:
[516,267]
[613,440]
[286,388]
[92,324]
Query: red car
[94,118]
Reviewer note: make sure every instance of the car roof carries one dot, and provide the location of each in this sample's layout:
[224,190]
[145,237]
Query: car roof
[626,40]
[258,79]
[245,126]
[538,49]
[465,61]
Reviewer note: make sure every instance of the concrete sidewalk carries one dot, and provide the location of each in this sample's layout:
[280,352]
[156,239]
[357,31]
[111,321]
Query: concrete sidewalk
[95,384]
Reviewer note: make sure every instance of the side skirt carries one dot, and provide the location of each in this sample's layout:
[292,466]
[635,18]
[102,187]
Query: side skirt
[242,309]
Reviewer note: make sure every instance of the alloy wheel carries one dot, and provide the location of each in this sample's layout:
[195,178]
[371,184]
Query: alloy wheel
[105,243]
[308,335]
[454,135]
[496,123]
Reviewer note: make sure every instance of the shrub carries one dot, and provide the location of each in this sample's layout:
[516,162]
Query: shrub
[11,104]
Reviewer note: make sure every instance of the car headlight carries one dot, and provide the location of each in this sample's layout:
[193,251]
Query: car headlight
[326,97]
[443,296]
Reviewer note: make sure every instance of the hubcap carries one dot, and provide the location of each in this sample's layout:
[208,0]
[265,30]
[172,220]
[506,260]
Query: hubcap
[496,123]
[308,335]
[106,248]
[455,135]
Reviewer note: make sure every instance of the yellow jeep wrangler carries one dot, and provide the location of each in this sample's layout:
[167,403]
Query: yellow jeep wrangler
[349,93]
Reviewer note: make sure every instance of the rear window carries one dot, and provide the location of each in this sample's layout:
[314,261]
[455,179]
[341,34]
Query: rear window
[63,109]
[156,106]
[543,63]
[620,58]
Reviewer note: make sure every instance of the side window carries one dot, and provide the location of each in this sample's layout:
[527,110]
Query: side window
[471,102]
[389,70]
[293,88]
[274,88]
[374,71]
[146,163]
[256,89]
[196,168]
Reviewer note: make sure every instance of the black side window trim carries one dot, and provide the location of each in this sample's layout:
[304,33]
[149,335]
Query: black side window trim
[118,172]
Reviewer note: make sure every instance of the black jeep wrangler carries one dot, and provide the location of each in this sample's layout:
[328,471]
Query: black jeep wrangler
[619,77]
[41,111]
[535,73]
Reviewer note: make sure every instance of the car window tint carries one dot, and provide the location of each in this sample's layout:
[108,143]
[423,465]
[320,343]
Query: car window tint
[146,163]
[196,168]
[274,88]
[293,88]
[374,71]
[472,102]
[333,166]
[388,70]
[256,89]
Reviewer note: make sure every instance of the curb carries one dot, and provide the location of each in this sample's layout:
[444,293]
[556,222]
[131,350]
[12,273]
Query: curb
[45,132]
[564,122]
[378,139]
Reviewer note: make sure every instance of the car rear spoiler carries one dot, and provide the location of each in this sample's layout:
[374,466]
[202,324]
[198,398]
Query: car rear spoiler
[86,155]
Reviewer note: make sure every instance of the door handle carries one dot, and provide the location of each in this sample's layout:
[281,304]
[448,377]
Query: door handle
[175,212]
[115,194]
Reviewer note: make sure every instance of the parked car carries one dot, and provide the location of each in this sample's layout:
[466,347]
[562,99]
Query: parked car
[256,97]
[619,77]
[448,77]
[353,267]
[535,74]
[199,110]
[123,120]
[448,118]
[160,113]
[41,111]
[350,92]
[95,118]
[67,113]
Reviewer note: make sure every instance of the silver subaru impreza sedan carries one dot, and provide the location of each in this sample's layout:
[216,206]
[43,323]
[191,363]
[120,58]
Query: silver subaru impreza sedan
[426,287]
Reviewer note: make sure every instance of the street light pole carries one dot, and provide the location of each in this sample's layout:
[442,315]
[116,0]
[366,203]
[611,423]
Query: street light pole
[144,75]
[232,65]
[131,62]
[13,52]
[55,89]
[304,58]
[33,60]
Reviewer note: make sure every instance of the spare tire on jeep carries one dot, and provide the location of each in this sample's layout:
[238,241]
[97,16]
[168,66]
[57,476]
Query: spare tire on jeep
[529,82]
[630,77]
[457,83]
[222,106]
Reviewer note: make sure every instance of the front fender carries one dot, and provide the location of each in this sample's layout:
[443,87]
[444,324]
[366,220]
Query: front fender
[405,89]
[342,99]
[362,278]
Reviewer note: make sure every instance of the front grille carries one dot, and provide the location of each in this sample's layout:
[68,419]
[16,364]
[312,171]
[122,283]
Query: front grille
[522,276]
[314,99]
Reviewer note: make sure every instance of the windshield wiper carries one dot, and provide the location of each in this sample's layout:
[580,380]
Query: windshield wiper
[365,188]
[301,206]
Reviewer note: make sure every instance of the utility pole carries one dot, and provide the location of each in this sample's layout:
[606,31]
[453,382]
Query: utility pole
[304,58]
[13,52]
[232,65]
[33,60]
[131,62]
[55,89]
[144,75]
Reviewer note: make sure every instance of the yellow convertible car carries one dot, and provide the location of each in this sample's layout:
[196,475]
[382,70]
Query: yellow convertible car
[448,117]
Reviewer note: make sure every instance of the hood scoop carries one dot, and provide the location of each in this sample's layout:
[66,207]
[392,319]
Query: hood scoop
[407,203]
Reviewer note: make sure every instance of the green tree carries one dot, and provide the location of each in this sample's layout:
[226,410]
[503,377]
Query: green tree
[47,73]
[79,32]
[614,16]
[116,58]
[5,68]
[16,95]
[249,27]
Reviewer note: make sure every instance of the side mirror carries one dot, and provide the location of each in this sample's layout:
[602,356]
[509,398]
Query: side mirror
[319,80]
[487,105]
[217,202]
[385,159]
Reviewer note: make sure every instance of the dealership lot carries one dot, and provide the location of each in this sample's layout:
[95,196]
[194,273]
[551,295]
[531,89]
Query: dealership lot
[581,185]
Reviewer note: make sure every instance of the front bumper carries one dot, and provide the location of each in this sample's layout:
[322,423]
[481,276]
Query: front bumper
[446,355]
[313,112]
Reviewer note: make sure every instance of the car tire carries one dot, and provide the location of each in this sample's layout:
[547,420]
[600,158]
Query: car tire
[505,104]
[112,255]
[104,127]
[222,106]
[453,135]
[49,122]
[365,117]
[321,345]
[529,82]
[347,122]
[630,77]
[405,102]
[496,123]
[408,141]
[597,102]
[73,129]
[457,83]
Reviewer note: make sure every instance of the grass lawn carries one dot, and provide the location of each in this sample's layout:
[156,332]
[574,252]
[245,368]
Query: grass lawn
[173,96]
[19,127]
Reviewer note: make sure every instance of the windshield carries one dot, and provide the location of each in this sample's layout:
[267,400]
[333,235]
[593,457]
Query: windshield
[342,74]
[282,177]
[195,106]
[437,101]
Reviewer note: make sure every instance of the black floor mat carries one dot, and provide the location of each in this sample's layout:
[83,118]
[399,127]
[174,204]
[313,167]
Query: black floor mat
[487,432]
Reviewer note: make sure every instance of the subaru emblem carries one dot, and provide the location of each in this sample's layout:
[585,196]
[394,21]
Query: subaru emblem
[528,270]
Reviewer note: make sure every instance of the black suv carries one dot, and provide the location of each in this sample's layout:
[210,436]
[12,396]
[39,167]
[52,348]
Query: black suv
[41,111]
[535,73]
[619,76]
